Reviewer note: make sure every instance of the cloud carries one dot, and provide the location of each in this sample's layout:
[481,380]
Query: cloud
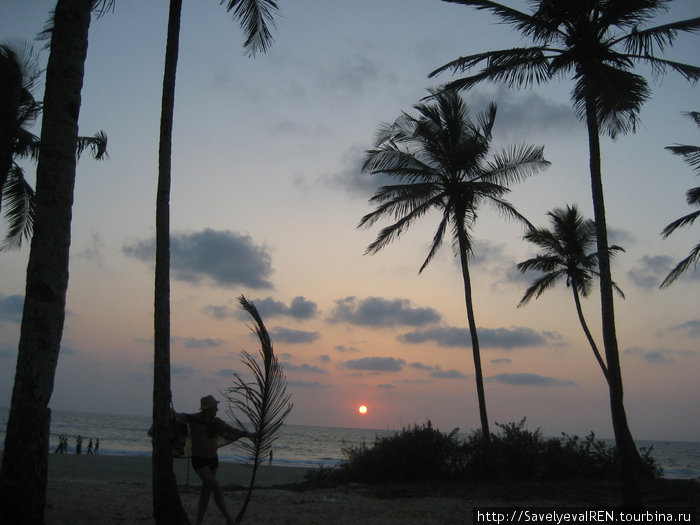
[528,379]
[307,384]
[379,312]
[342,348]
[438,373]
[193,342]
[693,327]
[223,257]
[385,386]
[352,180]
[505,338]
[300,309]
[524,115]
[650,270]
[95,250]
[289,367]
[11,307]
[288,335]
[421,366]
[658,356]
[501,361]
[376,364]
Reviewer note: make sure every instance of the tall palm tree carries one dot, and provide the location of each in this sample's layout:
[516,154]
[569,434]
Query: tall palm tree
[439,158]
[691,155]
[566,253]
[255,16]
[19,70]
[598,43]
[25,459]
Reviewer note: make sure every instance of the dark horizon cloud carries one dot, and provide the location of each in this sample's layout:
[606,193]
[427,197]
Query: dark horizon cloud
[222,257]
[375,364]
[307,384]
[659,356]
[504,338]
[380,312]
[305,367]
[193,342]
[523,379]
[287,335]
[439,373]
[11,307]
[343,348]
[299,308]
[650,271]
[501,361]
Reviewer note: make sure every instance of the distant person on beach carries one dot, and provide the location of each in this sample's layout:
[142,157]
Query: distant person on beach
[89,450]
[97,446]
[78,445]
[208,433]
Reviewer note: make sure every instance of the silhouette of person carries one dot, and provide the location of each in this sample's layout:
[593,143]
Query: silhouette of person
[89,450]
[78,445]
[207,433]
[97,446]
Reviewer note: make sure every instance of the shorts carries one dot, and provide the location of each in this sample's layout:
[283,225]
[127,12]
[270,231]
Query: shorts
[199,462]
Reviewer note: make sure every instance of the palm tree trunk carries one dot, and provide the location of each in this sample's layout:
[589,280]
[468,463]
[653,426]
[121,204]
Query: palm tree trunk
[627,451]
[462,235]
[591,341]
[25,460]
[167,507]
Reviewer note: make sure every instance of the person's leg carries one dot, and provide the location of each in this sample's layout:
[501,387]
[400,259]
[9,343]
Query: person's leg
[210,485]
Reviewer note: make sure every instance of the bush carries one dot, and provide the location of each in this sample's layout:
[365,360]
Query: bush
[422,453]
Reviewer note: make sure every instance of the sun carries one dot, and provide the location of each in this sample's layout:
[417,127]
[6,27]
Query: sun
[362,409]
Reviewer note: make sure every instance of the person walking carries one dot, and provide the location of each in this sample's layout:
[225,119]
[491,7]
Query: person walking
[78,445]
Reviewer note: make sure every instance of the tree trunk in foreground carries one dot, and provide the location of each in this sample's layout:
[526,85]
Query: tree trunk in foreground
[167,507]
[25,460]
[629,458]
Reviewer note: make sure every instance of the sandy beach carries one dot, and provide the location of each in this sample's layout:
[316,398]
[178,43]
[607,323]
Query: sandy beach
[88,490]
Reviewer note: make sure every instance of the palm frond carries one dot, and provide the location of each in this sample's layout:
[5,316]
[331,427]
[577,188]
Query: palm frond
[19,206]
[515,164]
[686,220]
[256,18]
[437,241]
[682,266]
[540,285]
[647,41]
[263,401]
[97,144]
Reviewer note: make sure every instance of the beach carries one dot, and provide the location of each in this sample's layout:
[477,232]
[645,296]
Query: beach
[87,490]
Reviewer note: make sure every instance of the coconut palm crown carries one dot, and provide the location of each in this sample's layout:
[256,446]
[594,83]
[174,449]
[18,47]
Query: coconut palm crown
[440,160]
[567,253]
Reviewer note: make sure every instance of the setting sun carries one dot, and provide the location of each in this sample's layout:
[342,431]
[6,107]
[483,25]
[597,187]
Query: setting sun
[362,409]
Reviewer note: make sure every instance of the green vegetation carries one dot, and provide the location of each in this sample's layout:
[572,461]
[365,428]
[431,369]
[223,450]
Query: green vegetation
[423,453]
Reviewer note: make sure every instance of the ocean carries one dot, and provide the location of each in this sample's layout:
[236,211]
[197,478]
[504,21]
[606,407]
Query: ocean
[297,445]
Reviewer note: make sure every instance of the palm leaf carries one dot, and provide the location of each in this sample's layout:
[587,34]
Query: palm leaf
[263,401]
[256,18]
[682,266]
[19,205]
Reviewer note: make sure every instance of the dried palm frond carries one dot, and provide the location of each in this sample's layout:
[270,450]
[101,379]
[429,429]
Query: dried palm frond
[263,401]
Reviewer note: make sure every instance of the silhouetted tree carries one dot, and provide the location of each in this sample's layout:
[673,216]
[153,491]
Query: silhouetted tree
[19,70]
[255,17]
[566,253]
[25,459]
[598,43]
[440,159]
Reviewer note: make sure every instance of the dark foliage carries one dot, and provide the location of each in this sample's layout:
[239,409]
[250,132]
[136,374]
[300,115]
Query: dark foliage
[423,453]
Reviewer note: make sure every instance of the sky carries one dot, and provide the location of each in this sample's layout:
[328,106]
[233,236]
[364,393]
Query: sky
[267,193]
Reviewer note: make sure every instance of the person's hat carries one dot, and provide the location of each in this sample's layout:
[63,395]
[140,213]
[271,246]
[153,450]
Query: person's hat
[207,402]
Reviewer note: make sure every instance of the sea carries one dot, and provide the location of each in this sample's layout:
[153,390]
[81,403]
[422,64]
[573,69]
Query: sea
[296,445]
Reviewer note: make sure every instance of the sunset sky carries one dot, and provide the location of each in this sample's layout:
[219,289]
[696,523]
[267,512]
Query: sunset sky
[267,193]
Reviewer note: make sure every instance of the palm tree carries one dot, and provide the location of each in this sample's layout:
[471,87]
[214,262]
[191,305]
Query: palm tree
[19,70]
[439,158]
[691,155]
[598,42]
[566,254]
[255,17]
[25,459]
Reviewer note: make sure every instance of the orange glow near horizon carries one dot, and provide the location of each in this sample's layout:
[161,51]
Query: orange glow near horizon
[362,409]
